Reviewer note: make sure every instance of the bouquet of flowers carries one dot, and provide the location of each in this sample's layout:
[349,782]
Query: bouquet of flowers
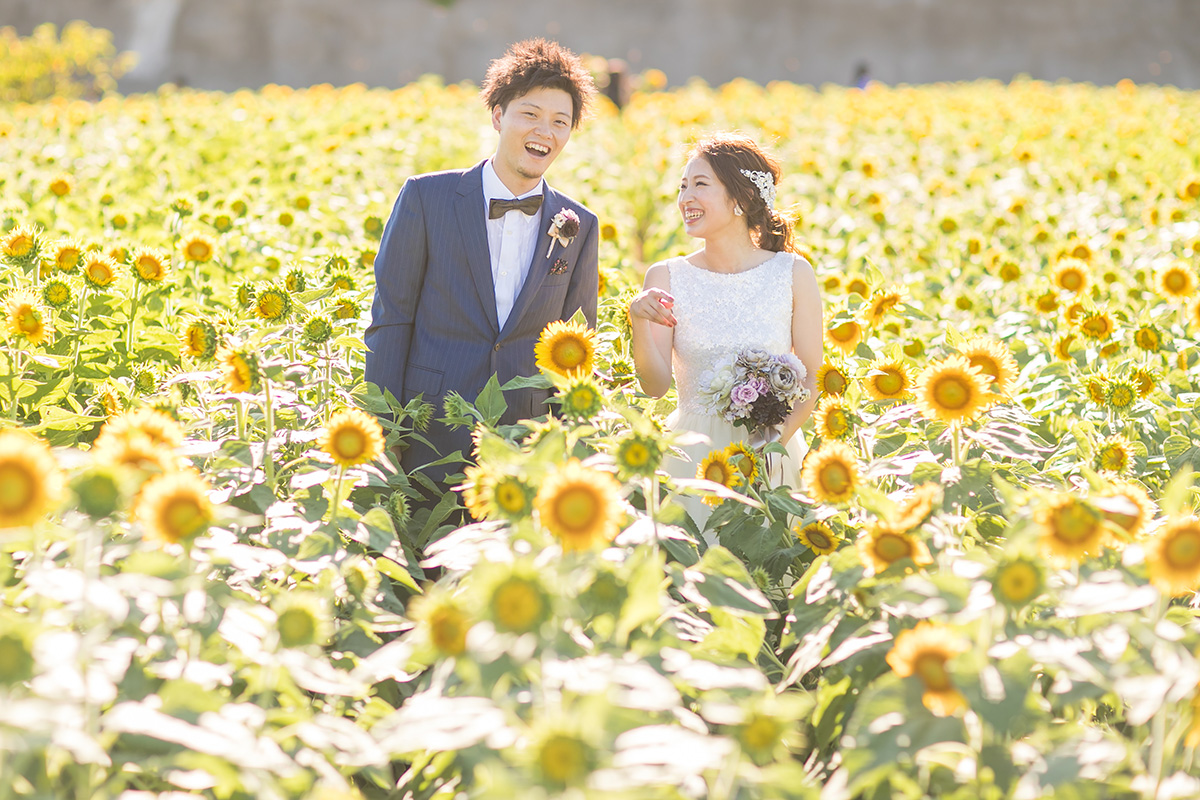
[754,389]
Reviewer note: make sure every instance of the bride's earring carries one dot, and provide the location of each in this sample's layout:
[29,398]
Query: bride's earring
[737,211]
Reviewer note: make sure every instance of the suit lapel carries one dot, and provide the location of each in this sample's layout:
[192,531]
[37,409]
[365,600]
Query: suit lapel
[539,267]
[468,208]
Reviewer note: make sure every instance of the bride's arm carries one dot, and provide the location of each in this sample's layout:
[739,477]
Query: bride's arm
[808,340]
[653,328]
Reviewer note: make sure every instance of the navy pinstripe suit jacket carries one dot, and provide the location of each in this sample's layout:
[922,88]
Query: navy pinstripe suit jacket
[433,321]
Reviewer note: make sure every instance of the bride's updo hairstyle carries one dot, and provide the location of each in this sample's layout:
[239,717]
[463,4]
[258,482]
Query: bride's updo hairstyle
[730,153]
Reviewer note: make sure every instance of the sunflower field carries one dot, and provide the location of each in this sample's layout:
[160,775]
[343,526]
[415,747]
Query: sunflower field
[215,581]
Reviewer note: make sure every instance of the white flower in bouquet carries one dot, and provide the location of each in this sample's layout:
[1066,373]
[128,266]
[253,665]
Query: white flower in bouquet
[717,383]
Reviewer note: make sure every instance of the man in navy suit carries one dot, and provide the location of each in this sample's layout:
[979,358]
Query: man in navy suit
[467,274]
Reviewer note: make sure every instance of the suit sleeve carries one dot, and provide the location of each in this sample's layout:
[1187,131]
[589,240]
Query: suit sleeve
[399,275]
[584,288]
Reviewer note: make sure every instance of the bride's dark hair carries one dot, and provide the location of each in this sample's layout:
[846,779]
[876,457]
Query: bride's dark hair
[730,153]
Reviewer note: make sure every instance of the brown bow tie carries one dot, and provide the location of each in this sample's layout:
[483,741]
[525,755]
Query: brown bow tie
[529,206]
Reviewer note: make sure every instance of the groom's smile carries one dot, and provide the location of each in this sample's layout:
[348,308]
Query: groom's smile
[533,129]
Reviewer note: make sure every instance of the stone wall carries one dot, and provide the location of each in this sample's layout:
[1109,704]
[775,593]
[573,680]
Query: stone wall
[228,44]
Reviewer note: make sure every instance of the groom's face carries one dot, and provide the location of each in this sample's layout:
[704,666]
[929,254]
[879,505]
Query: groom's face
[533,129]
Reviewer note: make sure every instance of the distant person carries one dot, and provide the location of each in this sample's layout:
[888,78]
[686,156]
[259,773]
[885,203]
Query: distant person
[467,274]
[618,80]
[862,75]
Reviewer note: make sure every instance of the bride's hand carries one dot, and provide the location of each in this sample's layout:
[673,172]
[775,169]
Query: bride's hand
[654,305]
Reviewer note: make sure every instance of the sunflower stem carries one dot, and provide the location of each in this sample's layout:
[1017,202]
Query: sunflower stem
[324,389]
[133,304]
[336,501]
[269,421]
[239,411]
[18,369]
[956,445]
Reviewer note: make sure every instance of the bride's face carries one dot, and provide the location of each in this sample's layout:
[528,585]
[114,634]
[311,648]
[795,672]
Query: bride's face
[703,201]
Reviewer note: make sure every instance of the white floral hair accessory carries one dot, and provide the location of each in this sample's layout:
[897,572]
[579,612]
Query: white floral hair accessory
[765,182]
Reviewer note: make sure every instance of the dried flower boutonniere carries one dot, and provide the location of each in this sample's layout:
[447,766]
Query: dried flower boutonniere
[563,228]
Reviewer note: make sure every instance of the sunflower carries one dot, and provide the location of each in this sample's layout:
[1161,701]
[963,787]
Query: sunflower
[952,391]
[223,223]
[134,450]
[22,246]
[925,651]
[1069,529]
[295,281]
[1071,275]
[1097,325]
[1121,395]
[67,255]
[98,491]
[174,507]
[1074,312]
[831,379]
[490,496]
[1148,338]
[566,348]
[879,547]
[24,317]
[914,348]
[1173,556]
[564,760]
[833,418]
[993,359]
[99,270]
[160,429]
[638,455]
[1145,380]
[57,293]
[373,226]
[241,369]
[818,537]
[197,248]
[745,459]
[1063,346]
[881,302]
[857,286]
[399,509]
[1132,514]
[1016,583]
[244,295]
[1046,302]
[1009,271]
[580,506]
[273,304]
[1113,455]
[200,339]
[342,282]
[916,508]
[302,619]
[1096,387]
[519,604]
[1177,281]
[346,309]
[888,380]
[831,473]
[150,266]
[581,398]
[351,437]
[317,330]
[444,621]
[30,479]
[718,468]
[845,334]
[61,185]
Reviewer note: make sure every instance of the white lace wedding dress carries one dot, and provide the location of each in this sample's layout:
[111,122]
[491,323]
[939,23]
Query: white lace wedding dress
[718,314]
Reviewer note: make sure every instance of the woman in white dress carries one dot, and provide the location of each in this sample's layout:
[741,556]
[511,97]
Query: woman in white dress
[745,288]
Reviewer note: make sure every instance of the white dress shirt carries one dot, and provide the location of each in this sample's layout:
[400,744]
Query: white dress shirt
[511,241]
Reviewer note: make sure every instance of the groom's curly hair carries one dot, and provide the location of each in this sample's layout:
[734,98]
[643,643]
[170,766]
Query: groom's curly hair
[538,64]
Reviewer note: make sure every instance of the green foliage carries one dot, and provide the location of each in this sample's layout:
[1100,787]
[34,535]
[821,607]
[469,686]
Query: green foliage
[81,62]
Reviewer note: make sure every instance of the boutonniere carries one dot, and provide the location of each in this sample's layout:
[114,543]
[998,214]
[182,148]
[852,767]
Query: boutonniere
[563,228]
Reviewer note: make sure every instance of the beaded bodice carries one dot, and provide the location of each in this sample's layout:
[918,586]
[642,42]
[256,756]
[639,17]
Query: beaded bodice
[717,314]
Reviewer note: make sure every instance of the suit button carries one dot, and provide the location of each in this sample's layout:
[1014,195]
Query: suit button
[496,349]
